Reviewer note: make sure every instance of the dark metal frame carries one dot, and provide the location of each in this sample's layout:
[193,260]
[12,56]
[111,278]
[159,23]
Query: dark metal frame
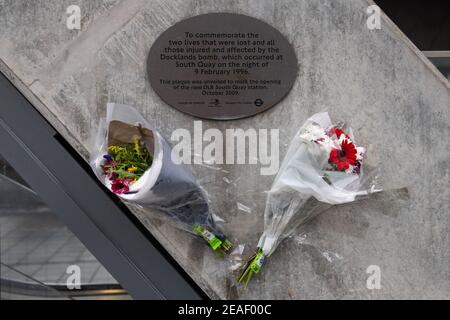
[105,225]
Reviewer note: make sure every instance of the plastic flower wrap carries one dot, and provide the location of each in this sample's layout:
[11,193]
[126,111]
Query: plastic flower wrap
[134,161]
[322,167]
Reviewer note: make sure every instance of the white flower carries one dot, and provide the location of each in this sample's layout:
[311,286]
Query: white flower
[349,169]
[327,143]
[312,132]
[360,153]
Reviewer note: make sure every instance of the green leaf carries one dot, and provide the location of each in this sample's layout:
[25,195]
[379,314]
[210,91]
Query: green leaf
[130,155]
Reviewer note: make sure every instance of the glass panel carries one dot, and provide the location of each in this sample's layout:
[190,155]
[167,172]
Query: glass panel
[16,285]
[37,248]
[443,64]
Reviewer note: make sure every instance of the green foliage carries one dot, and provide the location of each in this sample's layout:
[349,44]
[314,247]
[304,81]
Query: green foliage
[130,160]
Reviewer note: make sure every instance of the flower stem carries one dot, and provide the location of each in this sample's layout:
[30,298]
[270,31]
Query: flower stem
[224,248]
[253,266]
[221,246]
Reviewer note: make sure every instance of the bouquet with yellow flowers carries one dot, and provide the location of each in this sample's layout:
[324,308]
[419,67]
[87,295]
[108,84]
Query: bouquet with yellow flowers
[134,161]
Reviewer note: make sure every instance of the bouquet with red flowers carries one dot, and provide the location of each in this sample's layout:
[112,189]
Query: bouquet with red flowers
[134,161]
[323,167]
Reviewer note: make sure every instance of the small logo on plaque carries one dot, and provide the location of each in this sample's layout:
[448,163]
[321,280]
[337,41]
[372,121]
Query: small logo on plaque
[238,65]
[215,103]
[258,102]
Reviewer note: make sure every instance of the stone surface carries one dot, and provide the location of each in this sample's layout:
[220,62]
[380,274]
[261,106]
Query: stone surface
[396,101]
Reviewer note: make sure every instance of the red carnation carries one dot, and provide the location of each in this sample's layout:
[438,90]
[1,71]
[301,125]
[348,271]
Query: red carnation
[345,157]
[121,186]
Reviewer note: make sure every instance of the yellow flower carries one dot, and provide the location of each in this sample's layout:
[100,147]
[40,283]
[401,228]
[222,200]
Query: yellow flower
[132,169]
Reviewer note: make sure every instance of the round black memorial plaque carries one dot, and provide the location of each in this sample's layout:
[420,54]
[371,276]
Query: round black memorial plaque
[222,66]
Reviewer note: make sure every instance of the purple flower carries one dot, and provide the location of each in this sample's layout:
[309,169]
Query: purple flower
[108,157]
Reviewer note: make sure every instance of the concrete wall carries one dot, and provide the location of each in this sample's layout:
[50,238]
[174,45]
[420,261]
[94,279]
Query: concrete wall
[396,101]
